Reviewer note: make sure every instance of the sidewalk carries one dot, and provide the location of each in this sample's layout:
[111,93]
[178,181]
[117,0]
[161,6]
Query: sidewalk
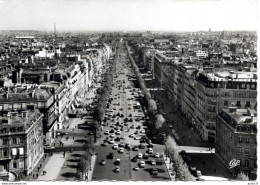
[52,168]
[91,169]
[192,149]
[169,167]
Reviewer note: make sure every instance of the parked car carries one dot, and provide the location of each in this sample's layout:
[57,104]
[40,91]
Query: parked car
[150,150]
[157,155]
[115,146]
[136,168]
[117,162]
[121,150]
[103,162]
[145,156]
[153,162]
[142,164]
[117,169]
[140,156]
[154,171]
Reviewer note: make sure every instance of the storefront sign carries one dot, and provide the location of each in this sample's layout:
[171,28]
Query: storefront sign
[233,163]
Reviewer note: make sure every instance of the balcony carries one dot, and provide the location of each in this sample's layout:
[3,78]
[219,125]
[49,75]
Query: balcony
[2,158]
[212,102]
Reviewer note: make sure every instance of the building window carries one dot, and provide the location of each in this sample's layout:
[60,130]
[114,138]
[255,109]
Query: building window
[238,103]
[5,152]
[247,140]
[242,86]
[253,86]
[15,141]
[239,150]
[247,151]
[240,162]
[5,141]
[247,104]
[14,164]
[246,163]
[240,139]
[21,140]
[225,103]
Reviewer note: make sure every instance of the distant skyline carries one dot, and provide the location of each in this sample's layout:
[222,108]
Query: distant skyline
[128,15]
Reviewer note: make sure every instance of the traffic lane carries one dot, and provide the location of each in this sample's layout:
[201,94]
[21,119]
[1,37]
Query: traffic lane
[143,174]
[107,172]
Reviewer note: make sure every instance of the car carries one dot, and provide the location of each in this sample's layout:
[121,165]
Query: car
[117,162]
[198,173]
[157,155]
[138,127]
[112,131]
[134,159]
[150,151]
[115,146]
[126,124]
[136,168]
[142,131]
[136,132]
[114,108]
[127,146]
[121,150]
[104,144]
[117,139]
[117,169]
[141,146]
[153,162]
[137,137]
[131,135]
[110,155]
[103,162]
[118,132]
[132,127]
[154,171]
[140,156]
[121,109]
[145,156]
[135,148]
[142,164]
[107,132]
[122,137]
[111,141]
[112,135]
[150,145]
[121,144]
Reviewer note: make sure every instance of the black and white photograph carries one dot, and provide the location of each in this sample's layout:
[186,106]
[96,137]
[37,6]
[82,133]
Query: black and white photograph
[129,91]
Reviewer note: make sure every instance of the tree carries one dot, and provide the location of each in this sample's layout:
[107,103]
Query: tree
[242,177]
[84,163]
[152,107]
[159,120]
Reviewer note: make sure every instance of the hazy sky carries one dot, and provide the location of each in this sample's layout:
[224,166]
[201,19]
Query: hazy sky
[168,15]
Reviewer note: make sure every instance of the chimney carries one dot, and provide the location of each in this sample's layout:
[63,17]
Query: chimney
[232,109]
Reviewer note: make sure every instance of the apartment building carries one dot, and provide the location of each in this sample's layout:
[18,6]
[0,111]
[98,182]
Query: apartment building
[236,138]
[21,141]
